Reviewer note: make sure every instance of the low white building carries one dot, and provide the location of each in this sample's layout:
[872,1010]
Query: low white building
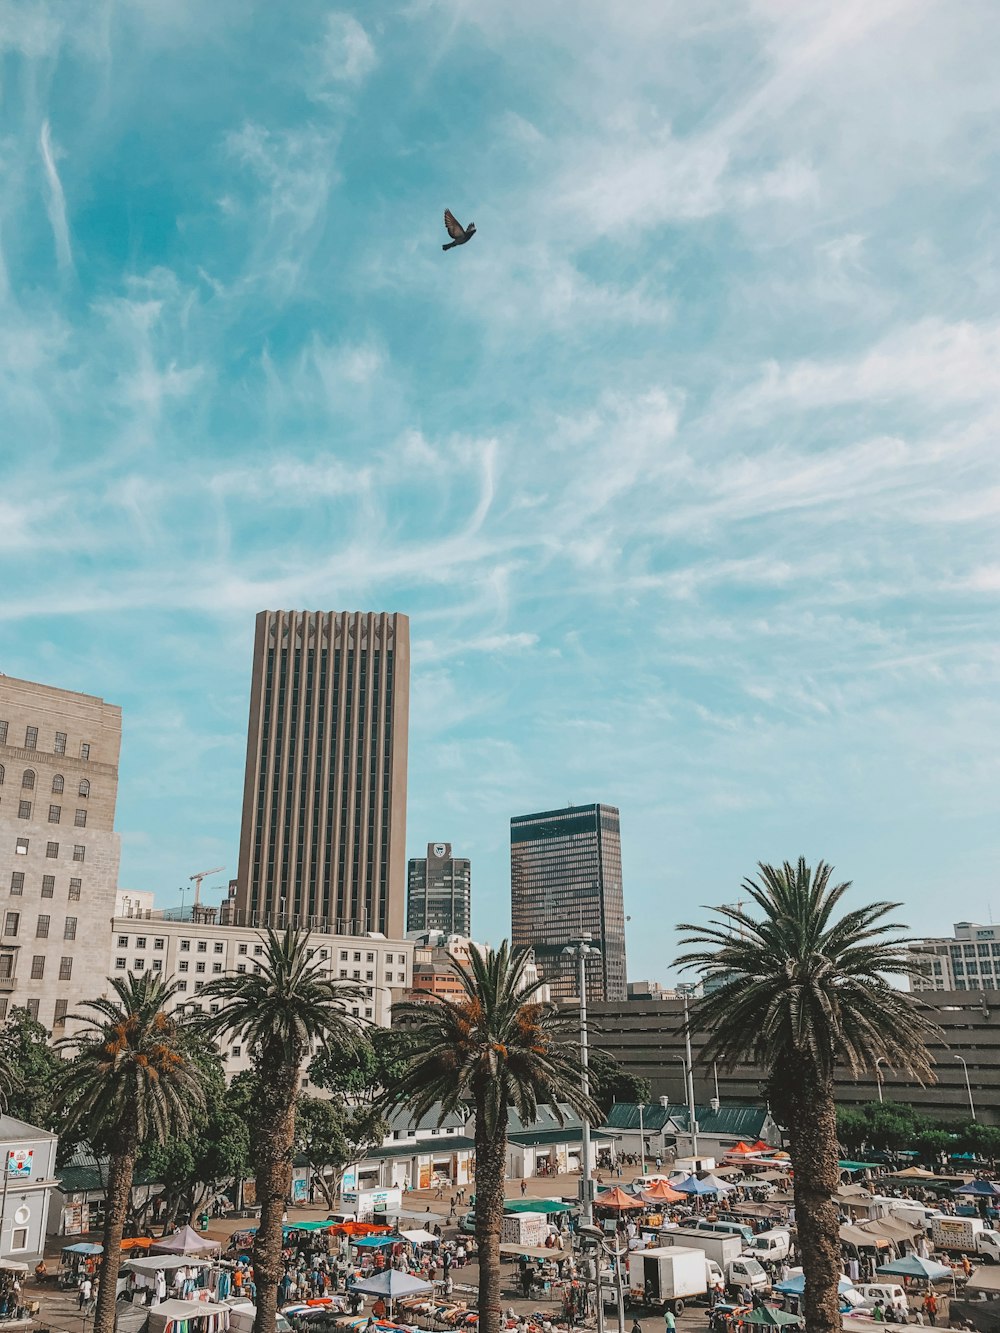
[195,952]
[29,1178]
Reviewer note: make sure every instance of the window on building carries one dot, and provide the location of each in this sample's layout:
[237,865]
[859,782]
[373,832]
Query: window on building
[84,749]
[183,965]
[84,788]
[343,955]
[3,774]
[60,745]
[19,1236]
[140,941]
[357,957]
[58,784]
[66,969]
[120,964]
[216,968]
[182,985]
[11,923]
[159,942]
[198,985]
[237,1052]
[59,1018]
[32,1008]
[123,941]
[6,966]
[139,965]
[3,733]
[24,809]
[52,850]
[343,972]
[199,967]
[42,928]
[21,847]
[203,946]
[31,738]
[48,886]
[356,974]
[38,967]
[3,1008]
[80,819]
[258,949]
[368,1012]
[241,967]
[55,814]
[157,964]
[69,930]
[79,852]
[75,885]
[369,958]
[241,949]
[17,882]
[218,946]
[185,946]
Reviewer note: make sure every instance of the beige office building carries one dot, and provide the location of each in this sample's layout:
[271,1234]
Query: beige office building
[323,837]
[194,952]
[59,852]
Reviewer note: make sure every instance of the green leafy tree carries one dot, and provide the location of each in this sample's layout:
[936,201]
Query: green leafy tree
[214,1152]
[610,1083]
[495,1046]
[331,1135]
[132,1082]
[280,1013]
[931,1143]
[29,1070]
[364,1073]
[852,1128]
[801,991]
[890,1126]
[983,1140]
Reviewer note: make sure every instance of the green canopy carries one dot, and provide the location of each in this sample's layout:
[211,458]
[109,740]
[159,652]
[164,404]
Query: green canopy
[771,1318]
[536,1206]
[859,1166]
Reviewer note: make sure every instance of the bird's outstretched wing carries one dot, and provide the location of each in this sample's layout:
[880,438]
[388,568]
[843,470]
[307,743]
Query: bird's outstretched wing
[455,229]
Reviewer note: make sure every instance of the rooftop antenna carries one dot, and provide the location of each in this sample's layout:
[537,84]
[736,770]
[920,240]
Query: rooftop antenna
[196,881]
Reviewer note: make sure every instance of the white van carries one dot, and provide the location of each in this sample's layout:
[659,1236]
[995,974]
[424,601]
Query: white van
[892,1296]
[773,1245]
[915,1214]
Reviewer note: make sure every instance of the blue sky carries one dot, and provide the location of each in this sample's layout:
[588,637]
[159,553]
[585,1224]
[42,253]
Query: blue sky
[685,469]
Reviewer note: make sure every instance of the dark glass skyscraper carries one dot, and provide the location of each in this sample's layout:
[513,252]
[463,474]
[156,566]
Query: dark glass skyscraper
[565,880]
[439,891]
[324,800]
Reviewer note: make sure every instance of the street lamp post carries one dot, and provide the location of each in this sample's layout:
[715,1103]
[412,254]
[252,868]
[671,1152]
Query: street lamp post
[581,950]
[878,1077]
[968,1085]
[686,992]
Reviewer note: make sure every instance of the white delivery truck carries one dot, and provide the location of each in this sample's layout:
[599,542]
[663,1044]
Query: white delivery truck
[966,1235]
[524,1229]
[668,1277]
[368,1203]
[773,1245]
[738,1270]
[915,1214]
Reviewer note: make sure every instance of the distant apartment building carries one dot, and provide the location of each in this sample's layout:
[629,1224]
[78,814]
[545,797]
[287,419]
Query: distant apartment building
[439,891]
[59,852]
[648,990]
[968,961]
[324,803]
[201,948]
[566,881]
[437,956]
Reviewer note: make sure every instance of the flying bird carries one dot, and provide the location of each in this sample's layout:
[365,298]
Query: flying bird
[459,234]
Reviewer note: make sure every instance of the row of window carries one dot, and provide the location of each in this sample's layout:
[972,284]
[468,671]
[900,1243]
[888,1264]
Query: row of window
[51,849]
[55,814]
[59,1017]
[58,744]
[48,886]
[218,946]
[58,782]
[38,968]
[12,926]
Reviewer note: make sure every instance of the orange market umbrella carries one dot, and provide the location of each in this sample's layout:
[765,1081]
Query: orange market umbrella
[741,1147]
[660,1192]
[617,1199]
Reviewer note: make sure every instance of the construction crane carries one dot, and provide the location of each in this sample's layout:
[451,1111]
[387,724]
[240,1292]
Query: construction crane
[196,881]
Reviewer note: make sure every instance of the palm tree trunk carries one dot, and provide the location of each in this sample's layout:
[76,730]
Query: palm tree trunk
[275,1135]
[812,1125]
[491,1153]
[116,1202]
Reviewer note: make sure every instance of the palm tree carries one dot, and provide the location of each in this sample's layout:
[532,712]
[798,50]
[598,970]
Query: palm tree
[132,1082]
[281,1011]
[800,994]
[496,1046]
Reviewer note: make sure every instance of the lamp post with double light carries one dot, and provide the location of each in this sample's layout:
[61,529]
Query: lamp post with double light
[582,949]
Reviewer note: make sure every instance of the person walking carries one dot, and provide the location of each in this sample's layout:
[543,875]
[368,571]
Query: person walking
[669,1321]
[86,1287]
[524,1188]
[930,1308]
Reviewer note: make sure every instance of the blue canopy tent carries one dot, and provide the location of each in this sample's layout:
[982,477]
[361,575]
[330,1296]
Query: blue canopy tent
[83,1247]
[373,1242]
[978,1189]
[913,1266]
[695,1186]
[391,1285]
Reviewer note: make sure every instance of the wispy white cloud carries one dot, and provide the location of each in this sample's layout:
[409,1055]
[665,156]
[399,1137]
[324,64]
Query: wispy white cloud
[56,200]
[347,52]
